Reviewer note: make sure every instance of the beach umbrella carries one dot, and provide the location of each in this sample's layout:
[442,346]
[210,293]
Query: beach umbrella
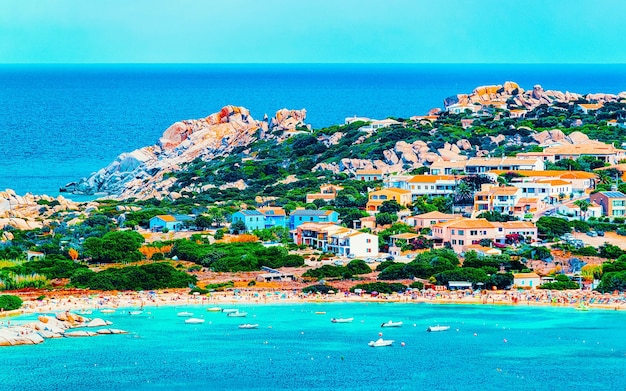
[331,291]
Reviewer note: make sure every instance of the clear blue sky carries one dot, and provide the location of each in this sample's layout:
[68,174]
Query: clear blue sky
[312,31]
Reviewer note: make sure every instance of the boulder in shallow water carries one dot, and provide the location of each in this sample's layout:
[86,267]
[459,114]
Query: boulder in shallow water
[98,322]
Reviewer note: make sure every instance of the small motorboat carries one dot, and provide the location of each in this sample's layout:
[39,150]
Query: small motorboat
[135,312]
[437,328]
[391,324]
[320,312]
[249,326]
[237,314]
[380,342]
[214,309]
[229,310]
[84,312]
[194,321]
[185,314]
[342,320]
[107,311]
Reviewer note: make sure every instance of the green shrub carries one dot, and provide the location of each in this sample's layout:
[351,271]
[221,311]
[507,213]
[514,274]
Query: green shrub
[10,302]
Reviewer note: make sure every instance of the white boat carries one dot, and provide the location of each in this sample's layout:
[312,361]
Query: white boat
[380,342]
[237,314]
[391,324]
[229,310]
[194,320]
[438,328]
[342,320]
[185,314]
[249,326]
[84,312]
[214,309]
[107,311]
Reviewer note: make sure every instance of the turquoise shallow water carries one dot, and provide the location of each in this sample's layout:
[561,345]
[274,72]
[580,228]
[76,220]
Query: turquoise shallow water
[516,348]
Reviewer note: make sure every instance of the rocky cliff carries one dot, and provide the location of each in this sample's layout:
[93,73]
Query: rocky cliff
[142,173]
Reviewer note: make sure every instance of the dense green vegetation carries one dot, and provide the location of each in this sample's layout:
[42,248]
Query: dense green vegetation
[561,282]
[10,302]
[144,277]
[380,287]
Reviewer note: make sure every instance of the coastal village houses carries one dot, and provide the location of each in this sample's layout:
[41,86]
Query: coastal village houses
[369,175]
[492,198]
[336,239]
[484,165]
[463,232]
[274,217]
[427,220]
[377,197]
[169,222]
[426,185]
[581,181]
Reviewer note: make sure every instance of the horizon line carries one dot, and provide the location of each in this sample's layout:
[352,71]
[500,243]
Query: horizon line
[312,63]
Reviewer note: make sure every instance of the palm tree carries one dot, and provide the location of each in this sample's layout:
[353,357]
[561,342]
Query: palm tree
[584,207]
[464,194]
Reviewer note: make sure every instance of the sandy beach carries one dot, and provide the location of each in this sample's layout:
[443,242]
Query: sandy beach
[76,301]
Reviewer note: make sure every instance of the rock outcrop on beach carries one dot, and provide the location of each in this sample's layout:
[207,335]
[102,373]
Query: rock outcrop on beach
[63,324]
[142,173]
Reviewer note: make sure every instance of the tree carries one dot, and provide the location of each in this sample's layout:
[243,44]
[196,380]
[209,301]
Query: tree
[385,218]
[464,194]
[390,206]
[584,207]
[238,227]
[116,246]
[203,222]
[73,253]
[552,226]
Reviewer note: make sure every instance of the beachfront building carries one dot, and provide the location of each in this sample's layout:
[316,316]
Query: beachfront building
[377,197]
[492,198]
[460,108]
[253,219]
[274,217]
[339,240]
[463,232]
[328,192]
[613,203]
[168,222]
[526,280]
[300,216]
[369,175]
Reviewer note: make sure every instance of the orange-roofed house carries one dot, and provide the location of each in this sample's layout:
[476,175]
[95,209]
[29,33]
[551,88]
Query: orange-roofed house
[369,175]
[581,181]
[492,198]
[482,165]
[518,113]
[587,107]
[526,280]
[464,232]
[548,190]
[607,153]
[336,239]
[427,220]
[573,210]
[376,198]
[433,185]
[528,205]
[327,193]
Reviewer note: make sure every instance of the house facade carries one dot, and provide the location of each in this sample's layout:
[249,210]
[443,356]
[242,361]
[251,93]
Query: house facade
[336,239]
[369,175]
[376,198]
[526,280]
[478,165]
[548,190]
[613,203]
[274,217]
[492,198]
[301,216]
[169,222]
[427,220]
[253,219]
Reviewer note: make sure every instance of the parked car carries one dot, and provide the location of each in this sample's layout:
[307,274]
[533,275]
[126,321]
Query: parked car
[338,262]
[369,260]
[600,233]
[592,233]
[351,256]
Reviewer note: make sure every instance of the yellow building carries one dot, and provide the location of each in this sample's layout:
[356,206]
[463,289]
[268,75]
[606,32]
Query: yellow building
[376,198]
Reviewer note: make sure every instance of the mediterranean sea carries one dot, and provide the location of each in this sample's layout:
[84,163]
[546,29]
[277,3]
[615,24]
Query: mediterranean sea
[59,123]
[487,347]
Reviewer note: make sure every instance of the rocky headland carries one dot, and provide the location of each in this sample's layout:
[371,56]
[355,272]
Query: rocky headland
[148,172]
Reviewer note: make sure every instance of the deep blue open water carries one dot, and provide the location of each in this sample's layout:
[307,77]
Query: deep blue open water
[487,347]
[59,123]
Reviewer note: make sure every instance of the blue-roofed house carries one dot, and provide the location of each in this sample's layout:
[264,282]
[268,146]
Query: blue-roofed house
[274,217]
[253,219]
[300,216]
[169,222]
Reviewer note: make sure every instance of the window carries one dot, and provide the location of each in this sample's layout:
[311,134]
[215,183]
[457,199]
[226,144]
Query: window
[473,233]
[452,232]
[453,241]
[461,242]
[368,240]
[461,232]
